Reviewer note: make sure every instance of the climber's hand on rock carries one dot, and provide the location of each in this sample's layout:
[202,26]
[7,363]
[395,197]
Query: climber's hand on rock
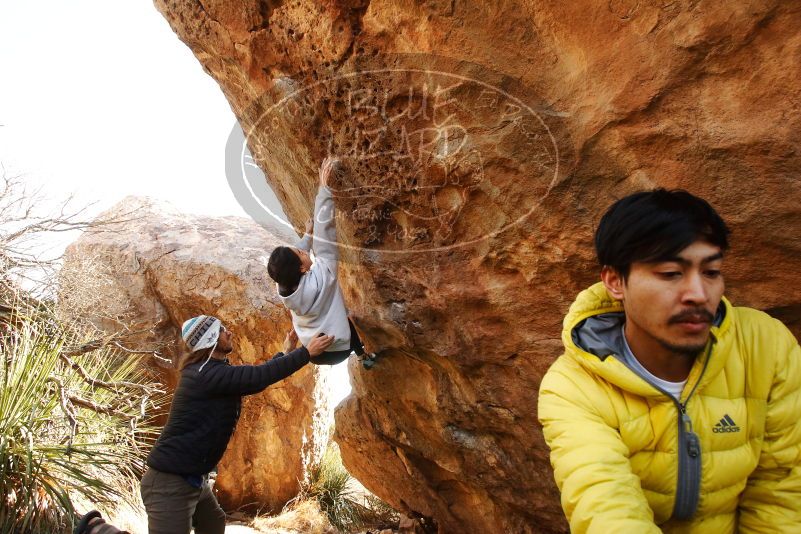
[326,168]
[290,341]
[318,345]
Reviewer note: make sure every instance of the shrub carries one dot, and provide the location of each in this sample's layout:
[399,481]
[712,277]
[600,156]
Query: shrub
[346,504]
[69,426]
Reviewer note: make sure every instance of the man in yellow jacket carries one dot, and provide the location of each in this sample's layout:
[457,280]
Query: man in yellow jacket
[672,410]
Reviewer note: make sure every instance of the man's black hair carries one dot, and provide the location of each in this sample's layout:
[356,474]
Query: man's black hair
[655,226]
[284,267]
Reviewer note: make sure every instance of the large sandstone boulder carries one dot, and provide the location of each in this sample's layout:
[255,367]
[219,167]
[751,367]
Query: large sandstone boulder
[160,268]
[481,141]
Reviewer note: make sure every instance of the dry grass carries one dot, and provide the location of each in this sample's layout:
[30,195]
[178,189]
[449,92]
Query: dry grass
[330,502]
[128,514]
[303,518]
[347,504]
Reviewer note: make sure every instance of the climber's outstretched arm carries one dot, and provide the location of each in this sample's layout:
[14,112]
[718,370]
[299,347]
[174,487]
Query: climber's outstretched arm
[325,232]
[306,241]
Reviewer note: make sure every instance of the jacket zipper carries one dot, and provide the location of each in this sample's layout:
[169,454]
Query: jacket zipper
[688,485]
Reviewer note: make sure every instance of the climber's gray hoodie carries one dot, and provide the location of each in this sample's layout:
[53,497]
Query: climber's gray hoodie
[317,304]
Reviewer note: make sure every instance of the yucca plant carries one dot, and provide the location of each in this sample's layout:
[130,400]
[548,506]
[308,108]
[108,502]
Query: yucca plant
[348,509]
[328,482]
[69,426]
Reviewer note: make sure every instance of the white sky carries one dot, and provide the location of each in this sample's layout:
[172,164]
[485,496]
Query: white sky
[100,98]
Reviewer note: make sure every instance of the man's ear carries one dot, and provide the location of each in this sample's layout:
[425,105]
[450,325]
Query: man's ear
[613,282]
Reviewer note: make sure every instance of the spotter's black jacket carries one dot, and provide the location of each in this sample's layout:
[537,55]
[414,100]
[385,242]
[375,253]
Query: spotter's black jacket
[205,409]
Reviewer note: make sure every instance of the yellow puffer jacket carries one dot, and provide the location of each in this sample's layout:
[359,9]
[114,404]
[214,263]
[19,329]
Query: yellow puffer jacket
[617,447]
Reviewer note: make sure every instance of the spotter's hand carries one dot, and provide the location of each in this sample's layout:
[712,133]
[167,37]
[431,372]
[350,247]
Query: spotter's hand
[318,345]
[290,341]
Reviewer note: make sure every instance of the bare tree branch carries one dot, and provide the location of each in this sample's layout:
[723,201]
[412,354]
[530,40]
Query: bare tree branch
[69,401]
[66,407]
[116,340]
[154,354]
[23,223]
[113,386]
[98,408]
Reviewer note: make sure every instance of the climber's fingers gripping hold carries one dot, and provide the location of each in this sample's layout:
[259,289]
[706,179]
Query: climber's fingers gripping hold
[326,169]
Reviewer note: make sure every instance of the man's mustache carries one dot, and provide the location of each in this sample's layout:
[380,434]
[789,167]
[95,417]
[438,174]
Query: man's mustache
[699,315]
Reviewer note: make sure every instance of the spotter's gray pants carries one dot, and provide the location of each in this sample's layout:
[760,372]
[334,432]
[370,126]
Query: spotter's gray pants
[174,506]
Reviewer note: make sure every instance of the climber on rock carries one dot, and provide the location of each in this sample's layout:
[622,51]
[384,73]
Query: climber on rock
[205,409]
[310,289]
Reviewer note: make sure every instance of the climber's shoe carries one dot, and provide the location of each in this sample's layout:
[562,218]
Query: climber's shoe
[369,359]
[93,523]
[83,525]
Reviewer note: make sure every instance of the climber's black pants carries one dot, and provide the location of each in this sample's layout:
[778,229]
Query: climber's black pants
[338,356]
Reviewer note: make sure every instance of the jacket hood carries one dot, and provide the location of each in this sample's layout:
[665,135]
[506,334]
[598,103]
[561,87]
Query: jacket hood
[302,299]
[592,336]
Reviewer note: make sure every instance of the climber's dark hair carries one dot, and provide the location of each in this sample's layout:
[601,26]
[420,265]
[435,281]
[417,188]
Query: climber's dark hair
[654,226]
[284,267]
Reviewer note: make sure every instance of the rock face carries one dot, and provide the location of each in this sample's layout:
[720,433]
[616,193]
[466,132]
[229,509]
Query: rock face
[162,268]
[481,142]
